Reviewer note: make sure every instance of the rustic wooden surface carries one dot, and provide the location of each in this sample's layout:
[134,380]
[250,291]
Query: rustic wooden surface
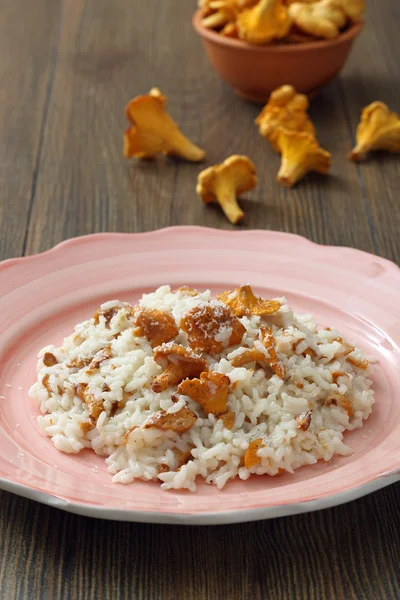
[67,67]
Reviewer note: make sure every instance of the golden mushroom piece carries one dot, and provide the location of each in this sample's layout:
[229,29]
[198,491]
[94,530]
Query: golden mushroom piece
[268,20]
[211,328]
[222,183]
[218,13]
[210,391]
[285,108]
[301,154]
[249,356]
[180,422]
[251,458]
[230,30]
[178,363]
[288,2]
[379,129]
[322,19]
[95,406]
[353,9]
[287,97]
[157,326]
[153,131]
[268,341]
[242,4]
[243,303]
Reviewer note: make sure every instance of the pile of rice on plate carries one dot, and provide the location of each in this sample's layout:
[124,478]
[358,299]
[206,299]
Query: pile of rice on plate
[182,386]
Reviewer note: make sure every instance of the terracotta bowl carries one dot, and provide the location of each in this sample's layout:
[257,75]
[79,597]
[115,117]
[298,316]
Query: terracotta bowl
[255,71]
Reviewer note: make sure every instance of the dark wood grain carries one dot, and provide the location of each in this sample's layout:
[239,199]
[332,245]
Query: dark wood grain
[67,68]
[28,54]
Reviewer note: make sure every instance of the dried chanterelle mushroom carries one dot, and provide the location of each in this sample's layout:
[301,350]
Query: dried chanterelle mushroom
[285,108]
[301,154]
[178,364]
[268,20]
[379,129]
[153,131]
[224,182]
[243,303]
[323,19]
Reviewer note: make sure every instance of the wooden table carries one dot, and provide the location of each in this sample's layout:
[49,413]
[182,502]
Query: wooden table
[67,68]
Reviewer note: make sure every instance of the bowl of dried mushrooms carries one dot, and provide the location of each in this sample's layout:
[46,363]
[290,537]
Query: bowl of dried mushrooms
[259,45]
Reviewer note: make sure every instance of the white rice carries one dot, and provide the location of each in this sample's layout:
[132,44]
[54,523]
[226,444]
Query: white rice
[264,405]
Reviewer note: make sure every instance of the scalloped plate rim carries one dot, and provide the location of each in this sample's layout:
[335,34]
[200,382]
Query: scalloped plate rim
[227,517]
[82,239]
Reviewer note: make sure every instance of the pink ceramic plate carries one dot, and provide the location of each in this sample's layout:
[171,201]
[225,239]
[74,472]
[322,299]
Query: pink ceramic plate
[44,296]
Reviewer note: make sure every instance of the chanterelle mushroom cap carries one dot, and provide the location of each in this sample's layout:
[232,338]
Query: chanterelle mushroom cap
[211,327]
[266,21]
[322,19]
[178,363]
[379,129]
[179,422]
[353,9]
[300,155]
[218,13]
[286,96]
[243,303]
[153,131]
[225,181]
[210,391]
[157,326]
[285,109]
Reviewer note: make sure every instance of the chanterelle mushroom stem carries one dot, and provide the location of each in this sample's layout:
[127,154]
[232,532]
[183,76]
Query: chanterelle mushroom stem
[225,181]
[227,199]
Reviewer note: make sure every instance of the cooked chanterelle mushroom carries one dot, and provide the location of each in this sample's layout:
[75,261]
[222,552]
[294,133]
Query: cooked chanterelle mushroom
[223,182]
[211,328]
[178,363]
[251,458]
[180,422]
[210,391]
[243,303]
[157,326]
[94,406]
[153,131]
